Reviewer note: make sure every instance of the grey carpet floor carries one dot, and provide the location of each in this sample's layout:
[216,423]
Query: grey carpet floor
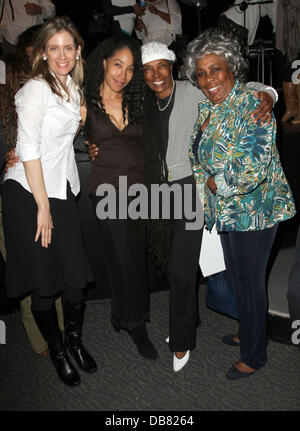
[278,281]
[127,382]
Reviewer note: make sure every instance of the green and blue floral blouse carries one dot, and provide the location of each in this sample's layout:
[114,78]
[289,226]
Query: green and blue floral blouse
[252,190]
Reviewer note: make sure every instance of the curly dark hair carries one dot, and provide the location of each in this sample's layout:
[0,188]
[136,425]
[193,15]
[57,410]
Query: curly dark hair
[16,74]
[133,93]
[25,40]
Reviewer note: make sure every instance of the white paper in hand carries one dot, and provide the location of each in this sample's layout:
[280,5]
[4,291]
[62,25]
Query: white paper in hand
[211,258]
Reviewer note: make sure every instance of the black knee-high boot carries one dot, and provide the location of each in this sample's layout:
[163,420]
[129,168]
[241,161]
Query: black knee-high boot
[73,320]
[48,324]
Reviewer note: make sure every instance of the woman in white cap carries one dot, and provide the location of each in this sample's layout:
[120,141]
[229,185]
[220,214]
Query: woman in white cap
[177,107]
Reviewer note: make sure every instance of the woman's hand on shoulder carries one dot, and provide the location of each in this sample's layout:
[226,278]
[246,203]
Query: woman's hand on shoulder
[83,112]
[11,159]
[211,184]
[263,112]
[93,150]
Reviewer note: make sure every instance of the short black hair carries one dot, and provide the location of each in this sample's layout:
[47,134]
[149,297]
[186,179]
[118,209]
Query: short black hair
[27,38]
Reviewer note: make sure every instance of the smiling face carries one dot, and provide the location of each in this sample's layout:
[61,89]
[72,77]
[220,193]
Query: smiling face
[118,70]
[61,52]
[158,77]
[214,77]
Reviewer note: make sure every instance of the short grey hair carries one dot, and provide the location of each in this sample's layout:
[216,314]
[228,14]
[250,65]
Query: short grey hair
[213,41]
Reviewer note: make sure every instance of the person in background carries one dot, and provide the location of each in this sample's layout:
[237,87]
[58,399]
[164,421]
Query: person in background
[18,15]
[7,306]
[241,184]
[247,15]
[124,13]
[12,75]
[39,205]
[287,42]
[160,23]
[25,43]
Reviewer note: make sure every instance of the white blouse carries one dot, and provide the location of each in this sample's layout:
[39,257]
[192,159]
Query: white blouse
[47,125]
[158,29]
[126,20]
[15,20]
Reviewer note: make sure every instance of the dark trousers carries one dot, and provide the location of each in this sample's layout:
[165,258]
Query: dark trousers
[246,256]
[43,303]
[124,243]
[182,273]
[294,284]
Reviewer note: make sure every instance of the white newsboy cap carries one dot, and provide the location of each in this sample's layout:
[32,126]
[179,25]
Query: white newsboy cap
[2,72]
[156,51]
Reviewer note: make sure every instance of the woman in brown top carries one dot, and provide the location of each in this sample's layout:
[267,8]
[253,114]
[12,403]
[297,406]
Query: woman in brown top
[114,93]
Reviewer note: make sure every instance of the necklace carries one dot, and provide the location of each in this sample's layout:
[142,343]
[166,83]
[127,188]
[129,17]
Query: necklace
[168,102]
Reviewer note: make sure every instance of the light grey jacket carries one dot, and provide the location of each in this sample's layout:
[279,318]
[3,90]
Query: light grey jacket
[181,124]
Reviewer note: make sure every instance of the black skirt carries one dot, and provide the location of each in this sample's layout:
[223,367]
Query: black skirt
[29,265]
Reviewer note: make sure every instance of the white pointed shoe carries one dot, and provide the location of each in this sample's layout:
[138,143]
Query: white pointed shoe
[167,339]
[178,364]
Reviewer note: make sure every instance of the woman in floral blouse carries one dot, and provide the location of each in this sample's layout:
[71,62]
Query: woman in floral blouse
[241,182]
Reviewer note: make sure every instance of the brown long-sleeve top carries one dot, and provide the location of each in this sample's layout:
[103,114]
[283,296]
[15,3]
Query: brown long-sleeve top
[120,152]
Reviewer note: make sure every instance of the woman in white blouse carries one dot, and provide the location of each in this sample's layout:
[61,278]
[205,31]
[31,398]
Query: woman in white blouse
[45,253]
[160,23]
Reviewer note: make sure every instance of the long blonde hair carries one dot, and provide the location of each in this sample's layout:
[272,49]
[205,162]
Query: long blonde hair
[41,68]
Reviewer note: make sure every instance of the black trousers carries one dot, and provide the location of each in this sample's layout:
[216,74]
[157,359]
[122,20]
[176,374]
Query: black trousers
[182,274]
[294,284]
[246,255]
[43,303]
[124,243]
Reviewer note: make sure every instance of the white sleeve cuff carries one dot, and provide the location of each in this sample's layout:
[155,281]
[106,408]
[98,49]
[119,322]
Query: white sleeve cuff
[28,152]
[268,89]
